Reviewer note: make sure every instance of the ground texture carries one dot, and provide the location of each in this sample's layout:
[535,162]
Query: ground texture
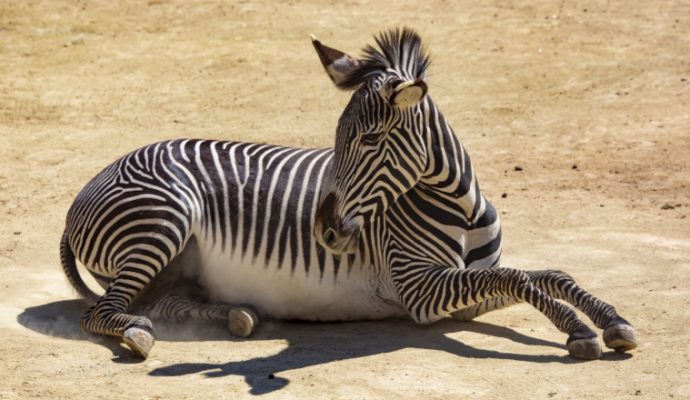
[575,113]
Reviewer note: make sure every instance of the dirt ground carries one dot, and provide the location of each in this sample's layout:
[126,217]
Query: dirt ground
[589,98]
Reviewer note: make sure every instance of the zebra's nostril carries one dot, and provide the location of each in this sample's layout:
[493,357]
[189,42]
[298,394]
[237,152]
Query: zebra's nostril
[329,236]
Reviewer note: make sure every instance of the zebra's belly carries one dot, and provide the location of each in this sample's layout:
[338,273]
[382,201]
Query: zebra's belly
[285,293]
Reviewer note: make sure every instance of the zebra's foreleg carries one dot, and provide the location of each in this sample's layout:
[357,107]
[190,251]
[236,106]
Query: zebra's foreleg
[432,292]
[618,333]
[241,321]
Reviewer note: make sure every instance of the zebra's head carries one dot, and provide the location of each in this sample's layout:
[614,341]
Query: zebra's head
[380,148]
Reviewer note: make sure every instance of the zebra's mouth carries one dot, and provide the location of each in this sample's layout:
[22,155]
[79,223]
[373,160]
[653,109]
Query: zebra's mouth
[339,241]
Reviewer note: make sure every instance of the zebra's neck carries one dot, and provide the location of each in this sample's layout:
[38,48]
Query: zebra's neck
[449,170]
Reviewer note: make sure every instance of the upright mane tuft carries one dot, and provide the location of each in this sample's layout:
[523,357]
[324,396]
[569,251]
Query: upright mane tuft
[399,49]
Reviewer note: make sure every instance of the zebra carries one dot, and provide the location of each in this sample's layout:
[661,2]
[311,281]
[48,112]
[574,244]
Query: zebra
[388,223]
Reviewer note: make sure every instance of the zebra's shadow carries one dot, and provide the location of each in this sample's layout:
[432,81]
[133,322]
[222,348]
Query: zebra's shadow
[312,344]
[309,344]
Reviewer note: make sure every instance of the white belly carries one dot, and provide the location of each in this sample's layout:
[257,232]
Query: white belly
[286,294]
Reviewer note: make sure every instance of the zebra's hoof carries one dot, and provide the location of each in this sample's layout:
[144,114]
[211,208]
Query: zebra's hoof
[242,321]
[584,349]
[620,336]
[139,340]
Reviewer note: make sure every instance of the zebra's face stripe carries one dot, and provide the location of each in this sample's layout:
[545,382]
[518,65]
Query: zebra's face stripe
[380,153]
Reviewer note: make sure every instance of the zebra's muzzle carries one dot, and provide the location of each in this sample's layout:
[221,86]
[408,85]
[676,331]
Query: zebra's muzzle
[334,234]
[339,242]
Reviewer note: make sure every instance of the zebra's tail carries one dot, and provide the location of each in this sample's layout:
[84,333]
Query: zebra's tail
[69,265]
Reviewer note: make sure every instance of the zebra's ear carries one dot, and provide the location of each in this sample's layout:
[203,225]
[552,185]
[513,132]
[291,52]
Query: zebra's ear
[407,93]
[337,64]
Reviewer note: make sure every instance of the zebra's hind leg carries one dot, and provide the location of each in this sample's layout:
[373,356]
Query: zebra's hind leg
[109,316]
[241,321]
[618,333]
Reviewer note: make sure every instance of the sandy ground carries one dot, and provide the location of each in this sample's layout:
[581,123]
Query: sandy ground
[590,99]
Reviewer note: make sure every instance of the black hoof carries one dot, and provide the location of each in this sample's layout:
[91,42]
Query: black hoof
[620,336]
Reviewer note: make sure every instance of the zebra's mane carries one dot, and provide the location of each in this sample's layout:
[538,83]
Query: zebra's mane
[399,49]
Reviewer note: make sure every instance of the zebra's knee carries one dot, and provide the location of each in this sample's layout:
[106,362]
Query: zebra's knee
[512,282]
[560,275]
[554,282]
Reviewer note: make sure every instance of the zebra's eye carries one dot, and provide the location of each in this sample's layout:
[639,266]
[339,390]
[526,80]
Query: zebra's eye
[372,138]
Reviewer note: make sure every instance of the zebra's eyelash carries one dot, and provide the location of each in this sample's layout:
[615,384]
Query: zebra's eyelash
[372,137]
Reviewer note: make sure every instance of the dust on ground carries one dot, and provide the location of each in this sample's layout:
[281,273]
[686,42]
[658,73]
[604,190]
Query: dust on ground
[589,99]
